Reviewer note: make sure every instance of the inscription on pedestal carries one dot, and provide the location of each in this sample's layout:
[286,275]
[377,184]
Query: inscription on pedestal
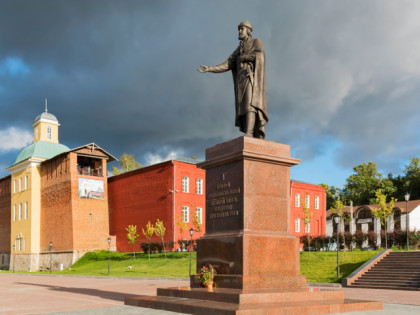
[224,201]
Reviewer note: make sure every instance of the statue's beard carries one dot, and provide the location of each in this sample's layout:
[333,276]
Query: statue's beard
[243,38]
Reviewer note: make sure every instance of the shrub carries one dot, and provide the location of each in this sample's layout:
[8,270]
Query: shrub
[359,238]
[371,237]
[318,242]
[340,239]
[348,240]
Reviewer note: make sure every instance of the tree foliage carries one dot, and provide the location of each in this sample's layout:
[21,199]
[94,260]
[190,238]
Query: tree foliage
[361,186]
[126,163]
[132,236]
[383,211]
[331,194]
[160,231]
[148,233]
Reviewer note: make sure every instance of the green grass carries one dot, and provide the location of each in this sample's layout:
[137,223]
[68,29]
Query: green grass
[322,266]
[96,264]
[316,266]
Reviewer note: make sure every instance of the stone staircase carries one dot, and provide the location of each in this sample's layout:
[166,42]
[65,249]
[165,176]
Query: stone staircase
[396,271]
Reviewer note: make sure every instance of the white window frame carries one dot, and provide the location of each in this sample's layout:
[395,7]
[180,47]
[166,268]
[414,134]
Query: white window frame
[185,184]
[49,132]
[14,186]
[20,183]
[36,133]
[199,186]
[297,200]
[317,202]
[307,227]
[199,213]
[186,214]
[307,201]
[14,212]
[26,182]
[26,210]
[297,225]
[20,212]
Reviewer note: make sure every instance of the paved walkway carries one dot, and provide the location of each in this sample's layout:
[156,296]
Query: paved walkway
[39,294]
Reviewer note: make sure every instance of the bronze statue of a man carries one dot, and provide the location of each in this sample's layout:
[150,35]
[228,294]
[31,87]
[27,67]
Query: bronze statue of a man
[247,63]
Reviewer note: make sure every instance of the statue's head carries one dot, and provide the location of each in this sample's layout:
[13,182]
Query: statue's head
[245,30]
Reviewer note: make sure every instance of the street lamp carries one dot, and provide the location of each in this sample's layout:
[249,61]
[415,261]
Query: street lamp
[14,248]
[191,234]
[51,245]
[109,253]
[407,197]
[337,221]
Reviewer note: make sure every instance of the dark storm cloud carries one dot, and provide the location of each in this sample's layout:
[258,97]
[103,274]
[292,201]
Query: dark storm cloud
[123,73]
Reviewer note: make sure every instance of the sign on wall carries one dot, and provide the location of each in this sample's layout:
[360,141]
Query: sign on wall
[91,188]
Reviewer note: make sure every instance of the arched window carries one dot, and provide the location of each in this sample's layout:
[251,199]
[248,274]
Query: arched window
[396,220]
[364,216]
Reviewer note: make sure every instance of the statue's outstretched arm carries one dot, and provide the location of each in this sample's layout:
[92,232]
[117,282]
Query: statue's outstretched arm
[223,67]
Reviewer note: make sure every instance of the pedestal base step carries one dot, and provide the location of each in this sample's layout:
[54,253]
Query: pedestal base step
[198,301]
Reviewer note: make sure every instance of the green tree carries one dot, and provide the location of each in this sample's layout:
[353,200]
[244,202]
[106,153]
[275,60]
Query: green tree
[132,237]
[160,231]
[383,211]
[182,226]
[331,194]
[148,233]
[307,217]
[362,185]
[412,177]
[126,163]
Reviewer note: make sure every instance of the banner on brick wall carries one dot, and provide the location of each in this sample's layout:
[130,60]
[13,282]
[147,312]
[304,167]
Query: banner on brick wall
[91,188]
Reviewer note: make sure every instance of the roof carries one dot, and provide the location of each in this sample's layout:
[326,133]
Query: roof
[401,205]
[46,116]
[94,146]
[41,149]
[302,182]
[185,160]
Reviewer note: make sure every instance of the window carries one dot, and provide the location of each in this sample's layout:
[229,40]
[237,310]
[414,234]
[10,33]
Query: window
[49,133]
[185,214]
[199,186]
[36,133]
[26,182]
[307,227]
[307,201]
[20,211]
[316,202]
[14,186]
[297,225]
[26,210]
[14,212]
[297,200]
[185,184]
[20,184]
[199,213]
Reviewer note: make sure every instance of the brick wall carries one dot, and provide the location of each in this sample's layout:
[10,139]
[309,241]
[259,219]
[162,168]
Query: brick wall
[146,195]
[5,214]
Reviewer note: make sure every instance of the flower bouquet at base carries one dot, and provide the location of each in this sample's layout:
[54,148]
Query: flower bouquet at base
[206,277]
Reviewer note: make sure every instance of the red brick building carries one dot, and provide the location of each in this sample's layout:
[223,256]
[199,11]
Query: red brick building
[74,201]
[5,217]
[170,191]
[314,198]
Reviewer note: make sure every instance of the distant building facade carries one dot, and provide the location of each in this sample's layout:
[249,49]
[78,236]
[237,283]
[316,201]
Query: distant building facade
[5,219]
[314,198]
[361,218]
[171,191]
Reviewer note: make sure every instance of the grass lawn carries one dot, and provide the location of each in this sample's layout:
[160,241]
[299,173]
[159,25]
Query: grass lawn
[316,266]
[322,266]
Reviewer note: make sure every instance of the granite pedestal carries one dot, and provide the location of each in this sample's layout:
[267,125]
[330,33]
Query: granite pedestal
[248,240]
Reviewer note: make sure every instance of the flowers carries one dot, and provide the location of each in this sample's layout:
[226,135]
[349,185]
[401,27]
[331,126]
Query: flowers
[206,275]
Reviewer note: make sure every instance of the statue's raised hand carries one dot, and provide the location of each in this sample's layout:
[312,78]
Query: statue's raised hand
[203,68]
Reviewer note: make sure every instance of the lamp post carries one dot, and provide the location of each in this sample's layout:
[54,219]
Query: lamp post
[109,254]
[337,221]
[51,245]
[14,248]
[407,227]
[191,234]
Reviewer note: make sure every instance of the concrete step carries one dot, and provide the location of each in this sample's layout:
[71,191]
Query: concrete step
[385,287]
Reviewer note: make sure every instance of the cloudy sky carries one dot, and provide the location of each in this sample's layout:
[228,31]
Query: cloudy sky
[343,78]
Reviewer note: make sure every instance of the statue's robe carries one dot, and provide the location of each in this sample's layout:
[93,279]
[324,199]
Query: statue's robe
[247,64]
